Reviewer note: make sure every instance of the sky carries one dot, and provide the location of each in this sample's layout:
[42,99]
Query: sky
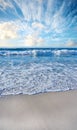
[38,23]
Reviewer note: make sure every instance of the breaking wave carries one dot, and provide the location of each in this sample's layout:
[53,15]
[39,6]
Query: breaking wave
[39,52]
[45,70]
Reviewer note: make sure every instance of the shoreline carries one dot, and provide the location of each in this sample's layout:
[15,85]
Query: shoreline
[40,93]
[44,111]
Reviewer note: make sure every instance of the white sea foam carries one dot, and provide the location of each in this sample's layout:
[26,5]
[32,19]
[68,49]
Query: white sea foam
[39,52]
[59,52]
[32,71]
[35,78]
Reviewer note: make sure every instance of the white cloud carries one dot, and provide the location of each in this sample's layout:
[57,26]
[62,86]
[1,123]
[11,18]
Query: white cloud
[33,40]
[48,17]
[58,23]
[71,43]
[8,30]
[5,4]
[35,22]
[30,10]
[37,25]
[4,43]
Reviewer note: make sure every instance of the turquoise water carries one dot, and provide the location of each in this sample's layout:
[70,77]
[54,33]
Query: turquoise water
[37,70]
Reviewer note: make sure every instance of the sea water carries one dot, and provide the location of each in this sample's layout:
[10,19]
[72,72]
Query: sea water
[37,70]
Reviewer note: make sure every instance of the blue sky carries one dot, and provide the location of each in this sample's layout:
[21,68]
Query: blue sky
[38,23]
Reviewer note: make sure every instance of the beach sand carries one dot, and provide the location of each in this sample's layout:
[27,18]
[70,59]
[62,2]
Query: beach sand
[48,111]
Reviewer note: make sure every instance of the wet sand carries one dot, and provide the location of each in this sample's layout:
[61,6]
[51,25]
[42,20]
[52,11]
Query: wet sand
[49,111]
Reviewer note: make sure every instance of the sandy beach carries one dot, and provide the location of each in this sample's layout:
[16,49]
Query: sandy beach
[49,111]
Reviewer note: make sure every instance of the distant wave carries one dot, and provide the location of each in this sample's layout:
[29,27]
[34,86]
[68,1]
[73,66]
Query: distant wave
[65,52]
[39,52]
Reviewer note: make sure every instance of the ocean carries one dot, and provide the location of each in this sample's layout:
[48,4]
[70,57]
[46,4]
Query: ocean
[37,70]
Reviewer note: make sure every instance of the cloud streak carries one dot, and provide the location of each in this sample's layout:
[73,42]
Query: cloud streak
[36,20]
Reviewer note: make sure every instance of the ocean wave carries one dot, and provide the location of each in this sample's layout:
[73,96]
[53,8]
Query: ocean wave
[39,52]
[37,78]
